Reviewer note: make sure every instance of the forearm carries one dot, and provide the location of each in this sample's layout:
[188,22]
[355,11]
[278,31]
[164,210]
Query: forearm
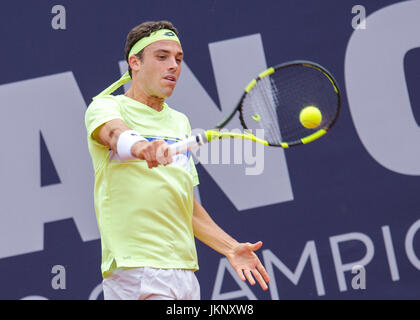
[208,232]
[108,133]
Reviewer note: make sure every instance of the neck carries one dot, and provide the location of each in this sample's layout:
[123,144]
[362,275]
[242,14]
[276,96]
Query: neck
[140,96]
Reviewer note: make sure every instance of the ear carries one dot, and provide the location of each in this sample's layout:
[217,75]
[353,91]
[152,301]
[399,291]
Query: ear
[134,63]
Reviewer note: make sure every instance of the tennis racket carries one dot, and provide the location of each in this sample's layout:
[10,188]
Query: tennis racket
[273,102]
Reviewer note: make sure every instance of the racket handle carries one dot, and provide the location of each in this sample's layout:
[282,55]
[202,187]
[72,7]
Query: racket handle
[187,144]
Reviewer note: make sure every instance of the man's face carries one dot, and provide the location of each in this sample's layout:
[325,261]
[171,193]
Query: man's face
[159,69]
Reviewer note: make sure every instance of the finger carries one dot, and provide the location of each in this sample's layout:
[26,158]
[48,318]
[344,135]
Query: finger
[162,153]
[150,156]
[263,272]
[167,154]
[165,157]
[159,152]
[240,274]
[260,279]
[255,246]
[151,161]
[147,159]
[249,276]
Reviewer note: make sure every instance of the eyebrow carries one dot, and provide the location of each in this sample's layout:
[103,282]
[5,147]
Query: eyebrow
[179,53]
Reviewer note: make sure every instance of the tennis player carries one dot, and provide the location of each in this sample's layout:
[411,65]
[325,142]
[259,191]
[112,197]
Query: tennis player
[145,207]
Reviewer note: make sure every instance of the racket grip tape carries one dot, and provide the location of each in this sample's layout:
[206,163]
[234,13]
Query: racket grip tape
[187,144]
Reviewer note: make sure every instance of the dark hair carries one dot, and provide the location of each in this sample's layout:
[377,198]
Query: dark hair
[144,30]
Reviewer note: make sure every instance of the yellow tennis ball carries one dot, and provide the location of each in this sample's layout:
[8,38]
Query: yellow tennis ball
[310,117]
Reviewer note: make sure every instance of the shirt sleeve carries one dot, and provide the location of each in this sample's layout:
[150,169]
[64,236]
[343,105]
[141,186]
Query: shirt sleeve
[100,111]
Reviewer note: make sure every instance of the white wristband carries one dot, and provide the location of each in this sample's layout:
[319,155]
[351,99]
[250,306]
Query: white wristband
[125,142]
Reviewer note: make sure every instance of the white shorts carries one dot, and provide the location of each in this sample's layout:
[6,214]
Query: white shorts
[151,284]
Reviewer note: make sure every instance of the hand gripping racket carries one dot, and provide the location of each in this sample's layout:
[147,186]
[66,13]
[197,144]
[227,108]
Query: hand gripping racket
[274,102]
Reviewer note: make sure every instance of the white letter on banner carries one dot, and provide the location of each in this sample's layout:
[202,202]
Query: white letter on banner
[390,253]
[309,253]
[54,106]
[377,90]
[409,248]
[340,268]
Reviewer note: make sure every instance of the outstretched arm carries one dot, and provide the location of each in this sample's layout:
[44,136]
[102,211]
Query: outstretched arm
[109,133]
[241,256]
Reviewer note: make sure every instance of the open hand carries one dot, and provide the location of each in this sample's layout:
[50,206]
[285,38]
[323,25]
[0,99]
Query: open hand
[247,265]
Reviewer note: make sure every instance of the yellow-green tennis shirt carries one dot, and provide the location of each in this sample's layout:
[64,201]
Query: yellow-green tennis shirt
[144,215]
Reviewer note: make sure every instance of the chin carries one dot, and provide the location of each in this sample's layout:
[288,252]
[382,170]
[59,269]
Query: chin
[167,93]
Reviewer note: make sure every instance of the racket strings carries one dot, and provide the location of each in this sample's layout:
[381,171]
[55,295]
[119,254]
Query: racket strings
[275,102]
[263,104]
[270,93]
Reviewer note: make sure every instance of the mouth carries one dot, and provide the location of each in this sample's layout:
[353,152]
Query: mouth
[170,78]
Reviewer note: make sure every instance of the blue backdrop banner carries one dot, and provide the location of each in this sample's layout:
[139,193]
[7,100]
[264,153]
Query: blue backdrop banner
[339,218]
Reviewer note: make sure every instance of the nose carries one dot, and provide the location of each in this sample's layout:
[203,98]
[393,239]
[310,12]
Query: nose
[173,65]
